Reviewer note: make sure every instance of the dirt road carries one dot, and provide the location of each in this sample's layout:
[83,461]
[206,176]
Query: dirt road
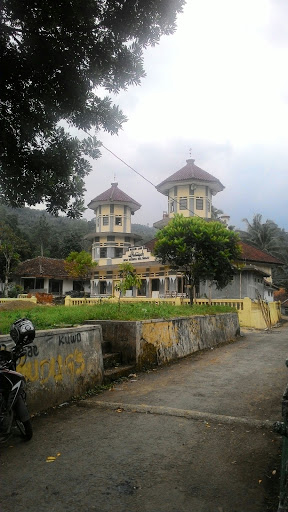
[194,436]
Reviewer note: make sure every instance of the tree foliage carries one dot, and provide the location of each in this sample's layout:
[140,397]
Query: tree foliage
[201,250]
[10,246]
[55,236]
[79,265]
[129,279]
[266,236]
[57,59]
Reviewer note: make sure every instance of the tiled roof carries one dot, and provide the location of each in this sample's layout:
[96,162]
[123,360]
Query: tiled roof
[191,171]
[42,267]
[114,194]
[249,253]
[151,244]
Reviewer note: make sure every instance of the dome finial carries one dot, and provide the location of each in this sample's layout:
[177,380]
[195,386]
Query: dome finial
[190,160]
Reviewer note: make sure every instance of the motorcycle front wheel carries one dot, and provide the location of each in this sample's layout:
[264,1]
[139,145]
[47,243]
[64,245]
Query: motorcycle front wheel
[25,428]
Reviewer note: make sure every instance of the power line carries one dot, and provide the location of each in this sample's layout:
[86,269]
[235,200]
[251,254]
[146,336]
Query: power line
[146,179]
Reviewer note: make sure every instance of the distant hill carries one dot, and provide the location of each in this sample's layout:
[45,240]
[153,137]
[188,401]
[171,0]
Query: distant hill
[27,217]
[146,232]
[54,236]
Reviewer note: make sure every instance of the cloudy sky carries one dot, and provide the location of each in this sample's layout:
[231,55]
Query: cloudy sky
[218,85]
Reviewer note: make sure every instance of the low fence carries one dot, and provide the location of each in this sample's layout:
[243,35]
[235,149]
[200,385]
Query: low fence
[258,315]
[60,364]
[19,297]
[75,301]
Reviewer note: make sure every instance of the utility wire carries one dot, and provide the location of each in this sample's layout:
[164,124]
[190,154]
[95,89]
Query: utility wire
[125,163]
[146,179]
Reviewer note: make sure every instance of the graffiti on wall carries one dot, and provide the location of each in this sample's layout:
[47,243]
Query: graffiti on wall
[56,368]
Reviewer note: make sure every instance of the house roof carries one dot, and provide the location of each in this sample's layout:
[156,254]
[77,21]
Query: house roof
[191,172]
[114,194]
[42,267]
[253,254]
[249,253]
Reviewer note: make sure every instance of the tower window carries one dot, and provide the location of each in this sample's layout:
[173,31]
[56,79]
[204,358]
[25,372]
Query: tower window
[118,221]
[103,252]
[118,252]
[199,203]
[172,206]
[183,203]
[105,220]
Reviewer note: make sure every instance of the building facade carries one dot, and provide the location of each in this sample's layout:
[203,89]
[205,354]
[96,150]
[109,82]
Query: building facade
[189,191]
[47,275]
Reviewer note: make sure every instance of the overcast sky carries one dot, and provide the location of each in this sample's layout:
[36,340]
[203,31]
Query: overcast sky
[218,85]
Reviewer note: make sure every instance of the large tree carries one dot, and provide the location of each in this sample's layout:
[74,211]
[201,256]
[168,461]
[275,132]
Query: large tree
[10,247]
[79,266]
[201,250]
[267,236]
[57,59]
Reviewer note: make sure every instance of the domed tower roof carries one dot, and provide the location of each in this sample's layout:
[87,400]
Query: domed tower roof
[190,173]
[114,195]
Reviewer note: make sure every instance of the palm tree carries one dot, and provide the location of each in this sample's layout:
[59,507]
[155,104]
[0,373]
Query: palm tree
[269,237]
[265,236]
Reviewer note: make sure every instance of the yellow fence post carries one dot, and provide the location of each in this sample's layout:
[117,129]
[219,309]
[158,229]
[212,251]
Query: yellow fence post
[67,300]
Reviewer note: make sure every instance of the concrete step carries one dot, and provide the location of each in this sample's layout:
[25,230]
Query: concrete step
[111,360]
[112,374]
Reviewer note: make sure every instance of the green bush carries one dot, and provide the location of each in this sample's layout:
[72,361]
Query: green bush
[14,291]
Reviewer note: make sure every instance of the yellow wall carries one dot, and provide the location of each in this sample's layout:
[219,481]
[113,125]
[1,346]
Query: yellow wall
[184,191]
[118,211]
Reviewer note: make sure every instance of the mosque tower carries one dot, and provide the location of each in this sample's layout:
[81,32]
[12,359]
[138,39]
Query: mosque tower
[113,209]
[189,192]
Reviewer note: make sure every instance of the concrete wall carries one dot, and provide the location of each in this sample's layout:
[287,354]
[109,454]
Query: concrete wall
[160,341]
[252,314]
[244,284]
[60,364]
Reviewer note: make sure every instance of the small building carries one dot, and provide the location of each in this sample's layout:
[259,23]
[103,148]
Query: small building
[253,277]
[47,275]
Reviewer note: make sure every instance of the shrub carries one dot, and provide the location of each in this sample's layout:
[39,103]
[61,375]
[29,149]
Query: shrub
[14,291]
[44,298]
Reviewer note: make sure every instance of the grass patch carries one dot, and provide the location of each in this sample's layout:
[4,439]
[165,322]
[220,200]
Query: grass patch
[51,317]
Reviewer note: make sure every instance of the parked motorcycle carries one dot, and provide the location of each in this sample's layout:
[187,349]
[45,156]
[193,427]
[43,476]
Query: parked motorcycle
[13,407]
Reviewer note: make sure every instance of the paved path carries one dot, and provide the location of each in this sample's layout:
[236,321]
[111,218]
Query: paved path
[194,436]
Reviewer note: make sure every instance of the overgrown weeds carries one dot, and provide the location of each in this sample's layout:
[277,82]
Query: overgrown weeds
[51,317]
